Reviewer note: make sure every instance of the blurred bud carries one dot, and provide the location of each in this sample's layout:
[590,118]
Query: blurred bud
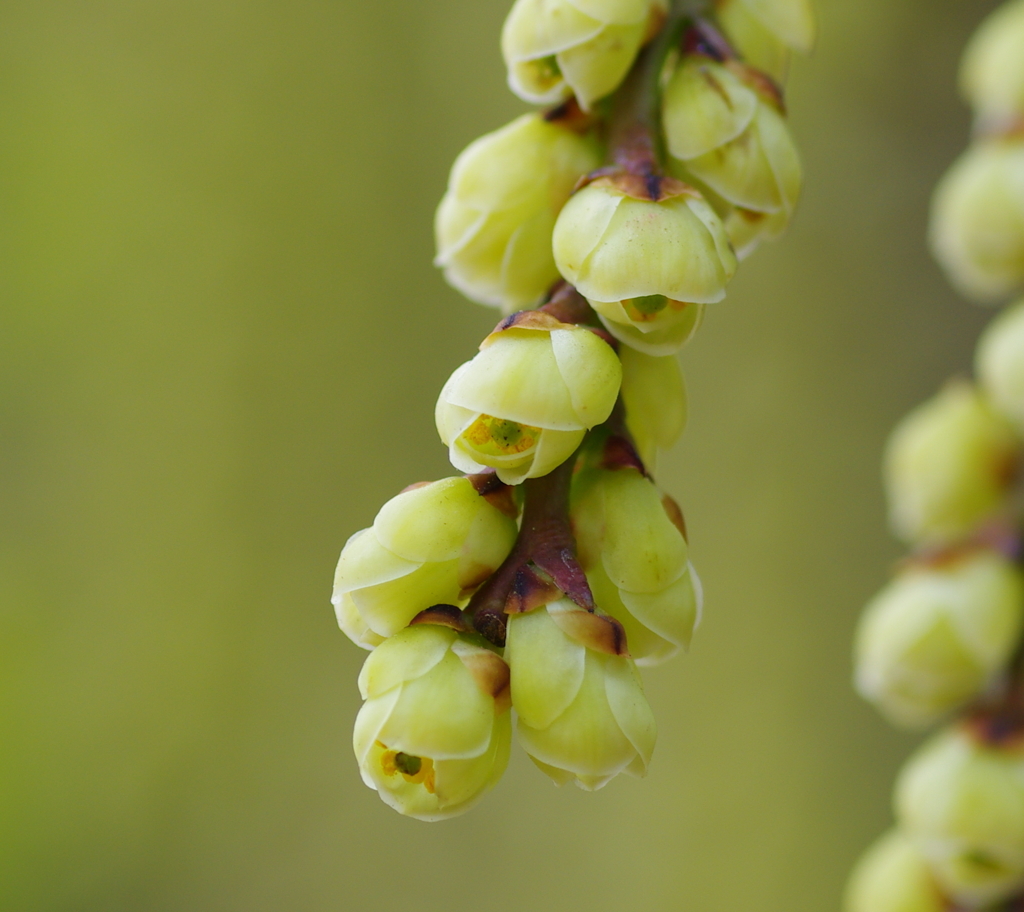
[757,46]
[635,556]
[789,21]
[937,635]
[494,224]
[642,262]
[892,876]
[977,219]
[1000,363]
[434,733]
[582,711]
[654,394]
[523,404]
[992,72]
[557,48]
[961,803]
[432,544]
[948,465]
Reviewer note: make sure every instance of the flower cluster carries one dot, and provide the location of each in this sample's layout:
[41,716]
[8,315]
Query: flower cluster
[602,228]
[945,635]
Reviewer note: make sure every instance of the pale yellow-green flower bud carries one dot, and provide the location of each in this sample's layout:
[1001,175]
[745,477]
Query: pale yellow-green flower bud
[977,219]
[557,48]
[654,394]
[583,715]
[524,403]
[937,635]
[961,802]
[494,224]
[636,558]
[722,120]
[992,72]
[1000,363]
[948,465]
[435,731]
[432,544]
[892,876]
[764,31]
[644,263]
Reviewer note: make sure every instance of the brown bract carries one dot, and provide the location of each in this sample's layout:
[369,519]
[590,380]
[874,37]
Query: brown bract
[443,616]
[491,674]
[592,629]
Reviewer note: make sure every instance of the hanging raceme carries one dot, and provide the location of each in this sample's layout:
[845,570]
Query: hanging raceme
[945,636]
[542,577]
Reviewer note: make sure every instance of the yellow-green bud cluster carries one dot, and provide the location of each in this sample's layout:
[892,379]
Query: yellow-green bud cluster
[977,229]
[945,634]
[475,599]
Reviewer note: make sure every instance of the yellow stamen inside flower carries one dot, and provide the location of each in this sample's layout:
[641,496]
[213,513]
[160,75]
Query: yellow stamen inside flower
[418,770]
[500,437]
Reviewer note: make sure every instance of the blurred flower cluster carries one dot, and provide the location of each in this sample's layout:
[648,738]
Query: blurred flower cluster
[944,636]
[542,577]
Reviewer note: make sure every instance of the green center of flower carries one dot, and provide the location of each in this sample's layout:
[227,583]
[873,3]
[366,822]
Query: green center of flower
[649,304]
[407,763]
[417,770]
[500,437]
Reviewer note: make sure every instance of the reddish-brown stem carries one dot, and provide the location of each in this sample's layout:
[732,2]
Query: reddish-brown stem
[545,543]
[634,128]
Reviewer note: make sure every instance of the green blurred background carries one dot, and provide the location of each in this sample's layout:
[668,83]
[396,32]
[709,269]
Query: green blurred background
[221,338]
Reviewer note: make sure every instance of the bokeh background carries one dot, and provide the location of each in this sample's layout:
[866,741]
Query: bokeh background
[221,338]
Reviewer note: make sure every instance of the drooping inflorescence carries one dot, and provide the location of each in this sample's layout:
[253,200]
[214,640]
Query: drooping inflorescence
[601,228]
[944,637]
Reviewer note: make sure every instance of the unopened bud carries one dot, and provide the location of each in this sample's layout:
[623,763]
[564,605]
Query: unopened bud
[948,466]
[789,21]
[643,263]
[756,44]
[992,72]
[961,802]
[432,544]
[892,876]
[582,712]
[557,48]
[1000,363]
[524,403]
[494,224]
[977,219]
[706,104]
[635,556]
[938,634]
[435,731]
[732,137]
[654,394]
